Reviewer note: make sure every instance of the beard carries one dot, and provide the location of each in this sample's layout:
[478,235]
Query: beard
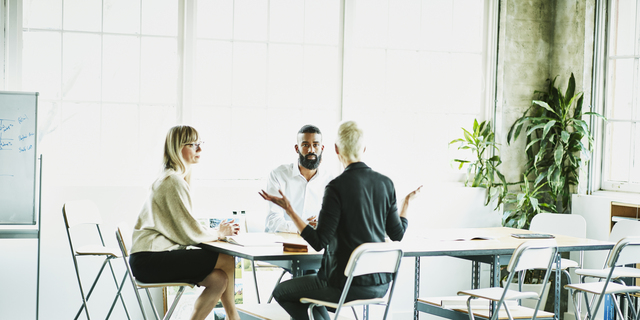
[310,164]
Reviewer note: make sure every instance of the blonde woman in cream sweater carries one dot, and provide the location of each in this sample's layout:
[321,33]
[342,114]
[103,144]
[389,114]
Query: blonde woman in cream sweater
[166,234]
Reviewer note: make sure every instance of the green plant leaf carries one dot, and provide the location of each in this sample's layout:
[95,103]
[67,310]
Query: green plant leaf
[468,136]
[539,178]
[545,105]
[577,112]
[548,127]
[534,128]
[565,136]
[531,144]
[595,114]
[534,203]
[514,131]
[571,87]
[558,153]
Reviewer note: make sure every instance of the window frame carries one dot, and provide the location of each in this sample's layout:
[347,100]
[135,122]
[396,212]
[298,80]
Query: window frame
[597,170]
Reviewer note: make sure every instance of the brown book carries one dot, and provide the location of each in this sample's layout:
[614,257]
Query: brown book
[294,247]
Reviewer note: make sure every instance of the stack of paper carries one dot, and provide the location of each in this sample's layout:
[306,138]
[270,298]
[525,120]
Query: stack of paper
[255,239]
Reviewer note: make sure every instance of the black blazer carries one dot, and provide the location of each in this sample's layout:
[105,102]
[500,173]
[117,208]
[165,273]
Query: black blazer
[358,206]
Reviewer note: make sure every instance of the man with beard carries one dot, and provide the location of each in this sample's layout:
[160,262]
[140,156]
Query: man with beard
[302,182]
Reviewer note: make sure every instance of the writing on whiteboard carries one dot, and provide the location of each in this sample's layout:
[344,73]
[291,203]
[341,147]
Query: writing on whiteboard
[23,137]
[5,127]
[25,149]
[5,145]
[22,118]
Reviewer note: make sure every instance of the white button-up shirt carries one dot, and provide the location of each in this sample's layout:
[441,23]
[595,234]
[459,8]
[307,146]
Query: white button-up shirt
[305,196]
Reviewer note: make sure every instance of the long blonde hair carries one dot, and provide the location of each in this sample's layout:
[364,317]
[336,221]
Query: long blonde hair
[176,138]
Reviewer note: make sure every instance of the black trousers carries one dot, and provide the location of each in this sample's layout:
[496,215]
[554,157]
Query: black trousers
[288,294]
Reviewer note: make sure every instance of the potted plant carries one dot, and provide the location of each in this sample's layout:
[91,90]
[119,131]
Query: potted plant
[482,171]
[555,152]
[554,132]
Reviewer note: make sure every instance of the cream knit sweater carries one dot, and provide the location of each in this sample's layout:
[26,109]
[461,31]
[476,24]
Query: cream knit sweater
[165,222]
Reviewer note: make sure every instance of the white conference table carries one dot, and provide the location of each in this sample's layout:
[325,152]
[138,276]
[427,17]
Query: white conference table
[443,242]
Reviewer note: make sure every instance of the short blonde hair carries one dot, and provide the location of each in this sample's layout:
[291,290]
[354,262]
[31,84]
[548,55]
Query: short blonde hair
[350,141]
[177,137]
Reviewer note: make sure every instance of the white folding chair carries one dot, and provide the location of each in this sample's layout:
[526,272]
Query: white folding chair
[533,254]
[609,278]
[571,225]
[367,258]
[83,215]
[124,236]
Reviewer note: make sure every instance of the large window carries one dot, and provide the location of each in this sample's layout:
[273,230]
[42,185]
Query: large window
[262,70]
[415,73]
[107,75]
[114,75]
[621,153]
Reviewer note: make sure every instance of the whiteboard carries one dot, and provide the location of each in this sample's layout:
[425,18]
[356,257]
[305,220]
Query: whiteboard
[18,129]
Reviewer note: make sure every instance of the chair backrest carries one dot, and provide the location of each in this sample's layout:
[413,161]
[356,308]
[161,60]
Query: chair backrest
[80,212]
[624,228]
[533,254]
[124,235]
[626,251]
[378,257]
[571,225]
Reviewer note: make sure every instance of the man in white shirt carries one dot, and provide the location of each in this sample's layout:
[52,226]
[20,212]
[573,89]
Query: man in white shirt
[302,182]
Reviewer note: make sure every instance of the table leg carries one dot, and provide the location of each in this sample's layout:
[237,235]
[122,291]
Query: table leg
[475,274]
[416,293]
[295,269]
[255,279]
[495,279]
[558,285]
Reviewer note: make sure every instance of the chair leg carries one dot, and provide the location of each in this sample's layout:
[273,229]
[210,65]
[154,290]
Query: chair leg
[631,305]
[115,280]
[135,290]
[506,308]
[588,306]
[470,312]
[119,294]
[279,279]
[155,312]
[310,311]
[174,304]
[354,313]
[93,286]
[84,298]
[576,306]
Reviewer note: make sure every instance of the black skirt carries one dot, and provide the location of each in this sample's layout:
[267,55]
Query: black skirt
[190,266]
